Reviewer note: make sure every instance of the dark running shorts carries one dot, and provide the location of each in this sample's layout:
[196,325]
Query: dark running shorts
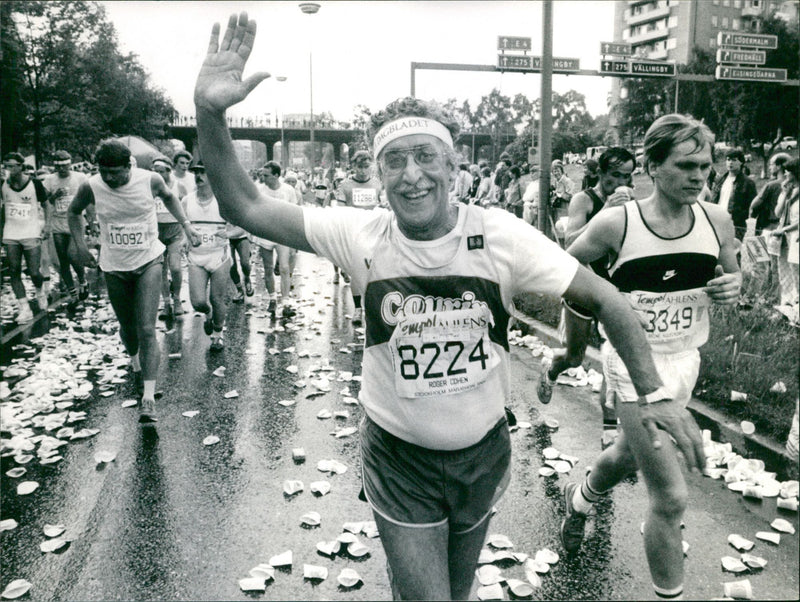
[413,486]
[132,275]
[169,233]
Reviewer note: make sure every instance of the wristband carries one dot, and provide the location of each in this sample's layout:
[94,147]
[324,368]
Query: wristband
[658,395]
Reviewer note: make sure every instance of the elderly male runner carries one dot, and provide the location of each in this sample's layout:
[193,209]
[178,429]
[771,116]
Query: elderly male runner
[170,232]
[438,282]
[130,253]
[671,256]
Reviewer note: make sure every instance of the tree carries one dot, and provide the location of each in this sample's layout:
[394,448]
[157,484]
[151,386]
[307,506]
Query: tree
[71,84]
[738,112]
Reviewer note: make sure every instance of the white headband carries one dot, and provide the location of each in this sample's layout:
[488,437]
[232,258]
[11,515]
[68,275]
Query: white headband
[406,126]
[162,162]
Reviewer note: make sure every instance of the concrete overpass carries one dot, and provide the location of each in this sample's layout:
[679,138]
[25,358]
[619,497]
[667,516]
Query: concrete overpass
[337,137]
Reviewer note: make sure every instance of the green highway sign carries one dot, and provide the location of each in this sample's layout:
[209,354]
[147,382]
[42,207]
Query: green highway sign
[513,43]
[652,69]
[637,68]
[614,67]
[757,74]
[517,62]
[615,49]
[753,57]
[747,40]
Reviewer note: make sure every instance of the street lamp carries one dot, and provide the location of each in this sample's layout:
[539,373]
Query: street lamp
[311,8]
[282,78]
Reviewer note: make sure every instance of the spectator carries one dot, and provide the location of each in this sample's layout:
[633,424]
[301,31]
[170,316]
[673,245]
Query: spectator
[735,191]
[514,202]
[484,195]
[763,207]
[530,198]
[590,175]
[463,183]
[475,173]
[787,232]
[563,189]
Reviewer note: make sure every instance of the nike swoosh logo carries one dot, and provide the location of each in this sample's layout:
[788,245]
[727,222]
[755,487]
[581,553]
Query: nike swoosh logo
[669,274]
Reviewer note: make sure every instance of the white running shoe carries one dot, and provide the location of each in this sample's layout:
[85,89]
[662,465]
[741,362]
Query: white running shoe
[25,313]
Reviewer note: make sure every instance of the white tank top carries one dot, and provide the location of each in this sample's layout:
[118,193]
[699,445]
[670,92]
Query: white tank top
[663,279]
[162,213]
[207,221]
[24,216]
[127,218]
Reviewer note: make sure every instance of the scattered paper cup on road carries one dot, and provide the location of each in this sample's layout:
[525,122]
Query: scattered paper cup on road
[748,428]
[741,590]
[788,504]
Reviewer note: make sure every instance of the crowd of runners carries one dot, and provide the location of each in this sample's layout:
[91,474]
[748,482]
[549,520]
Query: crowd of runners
[434,251]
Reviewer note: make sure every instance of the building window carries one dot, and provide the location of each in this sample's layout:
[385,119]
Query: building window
[735,24]
[726,2]
[715,2]
[712,42]
[714,21]
[725,21]
[737,3]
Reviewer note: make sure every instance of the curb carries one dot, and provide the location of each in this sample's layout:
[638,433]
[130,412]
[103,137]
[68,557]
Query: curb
[723,428]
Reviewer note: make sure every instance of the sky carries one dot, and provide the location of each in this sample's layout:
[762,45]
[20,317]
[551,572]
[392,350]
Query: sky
[361,52]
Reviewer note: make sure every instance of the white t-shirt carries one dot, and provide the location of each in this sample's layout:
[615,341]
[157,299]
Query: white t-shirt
[726,191]
[436,361]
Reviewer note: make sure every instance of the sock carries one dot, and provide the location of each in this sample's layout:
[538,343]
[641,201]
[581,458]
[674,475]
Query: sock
[675,593]
[149,389]
[137,367]
[273,296]
[584,497]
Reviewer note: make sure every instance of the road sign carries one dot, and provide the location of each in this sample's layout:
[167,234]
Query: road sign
[758,74]
[615,49]
[513,43]
[747,40]
[523,62]
[614,67]
[754,57]
[514,62]
[652,68]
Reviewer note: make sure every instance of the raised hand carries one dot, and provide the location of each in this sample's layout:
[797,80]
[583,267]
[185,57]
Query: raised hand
[678,422]
[219,84]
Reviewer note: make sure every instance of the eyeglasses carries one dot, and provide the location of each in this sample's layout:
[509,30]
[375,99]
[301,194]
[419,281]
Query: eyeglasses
[12,165]
[395,161]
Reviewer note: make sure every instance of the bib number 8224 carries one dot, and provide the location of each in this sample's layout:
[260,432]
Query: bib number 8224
[428,353]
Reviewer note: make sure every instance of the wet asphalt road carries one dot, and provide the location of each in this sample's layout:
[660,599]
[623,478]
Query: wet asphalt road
[173,519]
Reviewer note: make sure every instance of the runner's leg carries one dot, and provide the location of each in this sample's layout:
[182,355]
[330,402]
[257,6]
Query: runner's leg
[61,242]
[198,289]
[120,293]
[175,271]
[417,557]
[463,551]
[14,253]
[146,312]
[667,492]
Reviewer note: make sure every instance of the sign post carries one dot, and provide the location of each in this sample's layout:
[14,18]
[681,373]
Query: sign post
[740,54]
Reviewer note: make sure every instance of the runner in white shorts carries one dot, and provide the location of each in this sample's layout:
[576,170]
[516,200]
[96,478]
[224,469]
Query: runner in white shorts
[210,261]
[170,233]
[130,254]
[672,256]
[25,223]
[438,282]
[361,190]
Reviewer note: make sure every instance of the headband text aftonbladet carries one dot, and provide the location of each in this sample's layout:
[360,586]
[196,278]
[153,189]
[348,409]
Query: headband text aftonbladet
[406,126]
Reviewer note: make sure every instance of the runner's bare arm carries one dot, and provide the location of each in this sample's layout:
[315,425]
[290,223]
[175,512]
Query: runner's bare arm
[83,198]
[725,287]
[579,207]
[600,237]
[603,236]
[219,86]
[173,205]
